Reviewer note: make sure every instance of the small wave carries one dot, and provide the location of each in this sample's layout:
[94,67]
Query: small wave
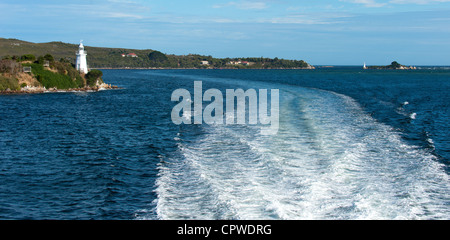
[430,141]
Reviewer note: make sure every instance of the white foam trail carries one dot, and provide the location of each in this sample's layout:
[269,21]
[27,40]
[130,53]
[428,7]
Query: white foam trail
[329,160]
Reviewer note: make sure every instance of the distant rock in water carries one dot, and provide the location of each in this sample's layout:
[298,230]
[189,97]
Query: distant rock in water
[393,65]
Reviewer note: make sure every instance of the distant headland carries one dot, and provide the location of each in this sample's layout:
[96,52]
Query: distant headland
[121,58]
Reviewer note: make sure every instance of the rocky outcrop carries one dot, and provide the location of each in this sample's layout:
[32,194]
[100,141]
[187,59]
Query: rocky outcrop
[39,89]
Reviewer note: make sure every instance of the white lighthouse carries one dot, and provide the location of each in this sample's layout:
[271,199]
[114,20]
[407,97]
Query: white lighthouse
[81,64]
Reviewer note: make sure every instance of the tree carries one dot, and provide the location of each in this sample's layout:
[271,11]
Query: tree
[395,64]
[9,66]
[157,56]
[49,57]
[92,76]
[27,57]
[40,60]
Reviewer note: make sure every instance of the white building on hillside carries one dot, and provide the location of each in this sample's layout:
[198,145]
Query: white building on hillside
[81,64]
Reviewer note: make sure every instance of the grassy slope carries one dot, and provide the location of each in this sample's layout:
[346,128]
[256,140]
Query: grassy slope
[10,83]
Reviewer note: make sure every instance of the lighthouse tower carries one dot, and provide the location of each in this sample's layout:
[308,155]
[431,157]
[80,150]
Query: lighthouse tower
[81,64]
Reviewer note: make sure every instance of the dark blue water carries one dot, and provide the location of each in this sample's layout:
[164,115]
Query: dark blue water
[352,144]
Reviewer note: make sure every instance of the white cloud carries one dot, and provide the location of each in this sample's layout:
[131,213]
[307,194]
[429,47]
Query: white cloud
[298,20]
[307,19]
[291,8]
[122,1]
[376,3]
[252,5]
[366,3]
[417,1]
[121,15]
[245,5]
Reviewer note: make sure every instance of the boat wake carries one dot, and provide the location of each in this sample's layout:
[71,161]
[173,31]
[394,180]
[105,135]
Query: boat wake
[329,160]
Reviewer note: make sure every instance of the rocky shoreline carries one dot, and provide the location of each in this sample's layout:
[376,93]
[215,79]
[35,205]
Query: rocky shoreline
[34,90]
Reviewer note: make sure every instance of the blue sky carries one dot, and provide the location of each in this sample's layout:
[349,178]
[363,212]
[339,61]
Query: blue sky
[321,32]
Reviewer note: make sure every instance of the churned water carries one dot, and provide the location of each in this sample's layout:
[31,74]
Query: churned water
[351,144]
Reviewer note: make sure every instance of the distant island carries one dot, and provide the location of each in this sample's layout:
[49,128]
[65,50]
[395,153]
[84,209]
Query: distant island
[393,65]
[121,58]
[28,74]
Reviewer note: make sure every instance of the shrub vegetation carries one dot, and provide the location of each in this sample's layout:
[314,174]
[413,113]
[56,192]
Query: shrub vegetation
[10,83]
[92,77]
[59,74]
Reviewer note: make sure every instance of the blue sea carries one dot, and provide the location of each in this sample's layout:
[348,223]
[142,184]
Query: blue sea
[351,144]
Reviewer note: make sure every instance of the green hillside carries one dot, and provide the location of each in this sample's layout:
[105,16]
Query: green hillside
[99,57]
